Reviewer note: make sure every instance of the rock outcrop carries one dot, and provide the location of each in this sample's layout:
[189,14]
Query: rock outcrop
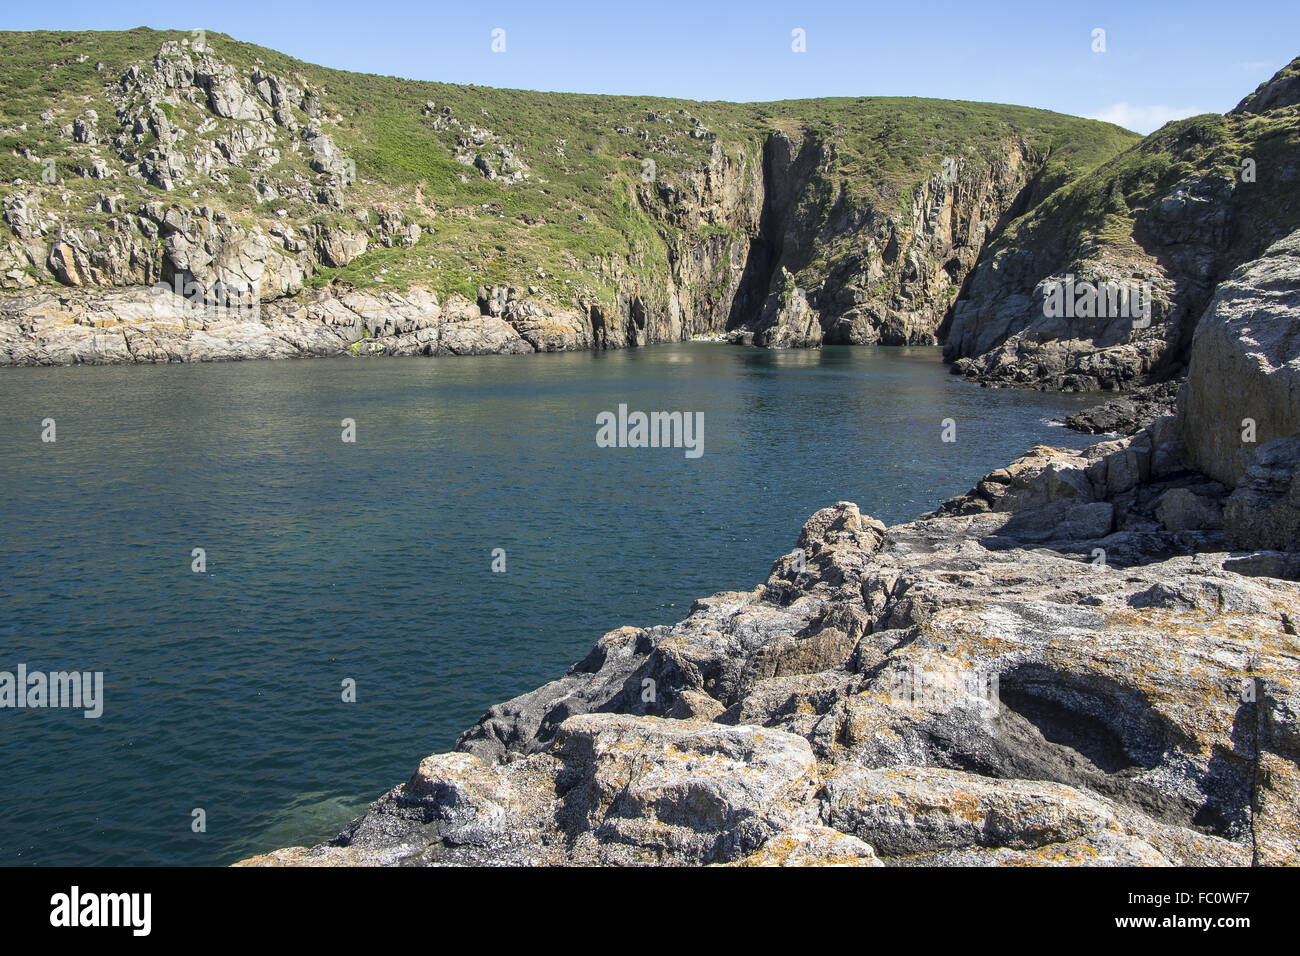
[1168,219]
[1243,382]
[1263,511]
[39,327]
[207,169]
[1018,678]
[1091,658]
[974,687]
[1129,413]
[200,165]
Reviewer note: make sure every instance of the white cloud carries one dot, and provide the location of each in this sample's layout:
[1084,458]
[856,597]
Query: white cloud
[1143,119]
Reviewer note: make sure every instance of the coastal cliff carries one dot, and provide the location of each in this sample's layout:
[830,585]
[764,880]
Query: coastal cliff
[177,197]
[1091,658]
[186,197]
[1177,213]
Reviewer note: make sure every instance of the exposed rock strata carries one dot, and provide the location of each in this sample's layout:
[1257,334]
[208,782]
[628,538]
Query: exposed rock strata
[1147,692]
[1090,658]
[1178,211]
[47,328]
[762,240]
[892,278]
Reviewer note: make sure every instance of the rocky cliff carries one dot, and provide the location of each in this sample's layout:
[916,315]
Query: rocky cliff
[853,273]
[1174,214]
[1089,659]
[177,197]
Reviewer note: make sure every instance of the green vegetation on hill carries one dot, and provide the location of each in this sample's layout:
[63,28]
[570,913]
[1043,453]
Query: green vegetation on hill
[583,155]
[1099,207]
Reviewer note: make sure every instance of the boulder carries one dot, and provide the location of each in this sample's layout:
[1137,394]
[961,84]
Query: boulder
[812,846]
[1183,510]
[1263,512]
[1243,382]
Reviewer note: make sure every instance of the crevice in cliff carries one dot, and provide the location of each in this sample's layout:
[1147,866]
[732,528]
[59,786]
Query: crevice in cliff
[1021,205]
[820,266]
[767,246]
[754,282]
[1252,804]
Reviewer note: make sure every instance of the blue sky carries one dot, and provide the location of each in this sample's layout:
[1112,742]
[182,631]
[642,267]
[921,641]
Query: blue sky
[1162,60]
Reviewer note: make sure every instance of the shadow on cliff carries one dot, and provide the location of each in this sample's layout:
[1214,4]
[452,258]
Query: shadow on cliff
[788,170]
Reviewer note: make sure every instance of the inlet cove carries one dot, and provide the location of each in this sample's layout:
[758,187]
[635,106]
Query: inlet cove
[356,485]
[461,550]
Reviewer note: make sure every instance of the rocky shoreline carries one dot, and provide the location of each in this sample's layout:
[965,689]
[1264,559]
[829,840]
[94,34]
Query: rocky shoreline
[202,167]
[1092,658]
[154,325]
[754,249]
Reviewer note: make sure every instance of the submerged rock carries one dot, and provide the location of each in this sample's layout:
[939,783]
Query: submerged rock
[1127,414]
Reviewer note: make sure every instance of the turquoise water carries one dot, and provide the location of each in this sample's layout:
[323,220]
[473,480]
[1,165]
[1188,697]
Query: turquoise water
[371,561]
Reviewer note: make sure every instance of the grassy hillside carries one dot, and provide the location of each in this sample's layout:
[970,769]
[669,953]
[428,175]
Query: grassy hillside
[1180,210]
[1100,207]
[582,156]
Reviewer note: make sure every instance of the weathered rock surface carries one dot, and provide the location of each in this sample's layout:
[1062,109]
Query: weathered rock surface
[1163,213]
[614,789]
[788,321]
[1263,511]
[46,328]
[1090,658]
[1041,672]
[43,327]
[1243,384]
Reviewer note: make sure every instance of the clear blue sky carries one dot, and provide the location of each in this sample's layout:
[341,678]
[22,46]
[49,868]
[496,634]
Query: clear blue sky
[1163,60]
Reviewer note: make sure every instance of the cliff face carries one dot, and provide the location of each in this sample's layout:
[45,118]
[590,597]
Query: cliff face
[290,210]
[770,249]
[357,215]
[1176,213]
[852,273]
[1243,386]
[754,250]
[1064,666]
